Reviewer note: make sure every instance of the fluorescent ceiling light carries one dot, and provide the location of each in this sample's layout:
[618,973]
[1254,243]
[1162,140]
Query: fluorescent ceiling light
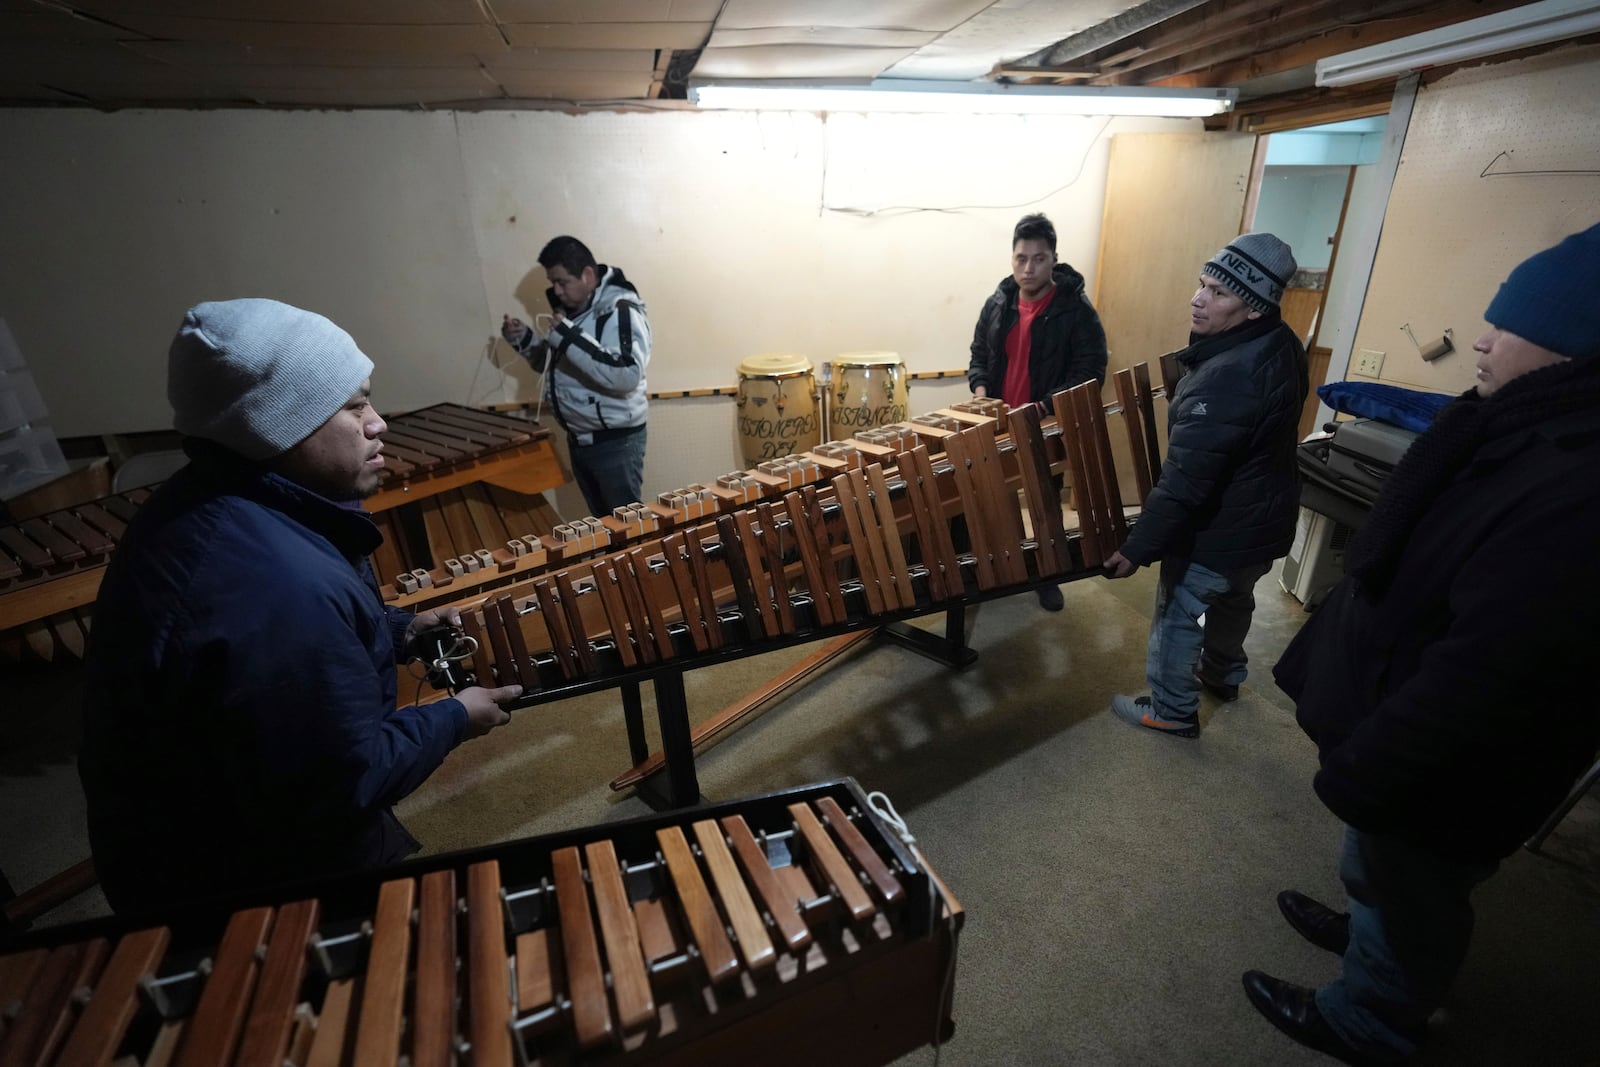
[907,95]
[1522,27]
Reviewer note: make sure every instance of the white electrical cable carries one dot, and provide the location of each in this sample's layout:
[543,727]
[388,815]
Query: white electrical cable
[884,809]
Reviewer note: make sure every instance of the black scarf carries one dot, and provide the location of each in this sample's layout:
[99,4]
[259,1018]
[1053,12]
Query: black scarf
[1434,460]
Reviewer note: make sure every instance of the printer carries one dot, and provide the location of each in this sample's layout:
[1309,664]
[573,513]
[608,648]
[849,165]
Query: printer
[1341,472]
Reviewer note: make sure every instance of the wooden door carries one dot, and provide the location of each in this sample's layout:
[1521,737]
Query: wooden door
[1172,200]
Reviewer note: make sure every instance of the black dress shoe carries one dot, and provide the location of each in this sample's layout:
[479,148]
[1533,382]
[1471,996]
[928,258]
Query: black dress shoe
[1316,922]
[1223,692]
[1050,598]
[1293,1009]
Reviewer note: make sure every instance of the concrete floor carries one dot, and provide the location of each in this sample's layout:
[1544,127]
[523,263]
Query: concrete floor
[1116,883]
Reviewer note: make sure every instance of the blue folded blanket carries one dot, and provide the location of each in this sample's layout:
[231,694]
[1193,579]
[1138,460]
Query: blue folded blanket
[1411,409]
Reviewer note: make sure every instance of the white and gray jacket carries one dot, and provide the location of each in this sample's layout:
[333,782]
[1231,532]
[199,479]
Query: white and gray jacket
[595,381]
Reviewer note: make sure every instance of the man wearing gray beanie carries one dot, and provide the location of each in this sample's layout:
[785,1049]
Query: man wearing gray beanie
[240,718]
[1448,680]
[1228,497]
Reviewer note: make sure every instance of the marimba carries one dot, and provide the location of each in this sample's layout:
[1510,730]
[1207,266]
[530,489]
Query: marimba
[786,929]
[454,461]
[904,520]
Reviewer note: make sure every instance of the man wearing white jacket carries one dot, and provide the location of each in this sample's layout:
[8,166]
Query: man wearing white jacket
[593,360]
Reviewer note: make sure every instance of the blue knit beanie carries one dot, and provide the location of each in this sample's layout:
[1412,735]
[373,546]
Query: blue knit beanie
[258,376]
[1553,298]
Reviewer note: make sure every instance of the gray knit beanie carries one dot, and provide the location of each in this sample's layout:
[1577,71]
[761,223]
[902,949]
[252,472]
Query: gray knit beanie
[1256,267]
[259,377]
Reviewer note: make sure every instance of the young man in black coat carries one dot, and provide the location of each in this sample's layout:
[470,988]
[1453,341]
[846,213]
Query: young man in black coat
[1037,334]
[1448,680]
[1228,497]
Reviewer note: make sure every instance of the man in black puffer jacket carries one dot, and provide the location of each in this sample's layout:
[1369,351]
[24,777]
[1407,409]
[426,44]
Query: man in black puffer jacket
[1448,680]
[1037,334]
[1226,503]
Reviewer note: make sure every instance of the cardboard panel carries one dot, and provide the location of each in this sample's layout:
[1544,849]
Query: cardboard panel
[339,12]
[588,11]
[886,14]
[573,85]
[606,35]
[375,38]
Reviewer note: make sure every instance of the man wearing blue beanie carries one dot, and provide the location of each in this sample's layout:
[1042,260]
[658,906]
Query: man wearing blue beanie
[240,719]
[1448,681]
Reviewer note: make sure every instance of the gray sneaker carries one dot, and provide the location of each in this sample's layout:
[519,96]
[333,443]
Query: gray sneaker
[1139,712]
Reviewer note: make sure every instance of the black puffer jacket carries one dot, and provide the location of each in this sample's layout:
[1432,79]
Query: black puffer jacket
[1457,708]
[1229,492]
[1068,345]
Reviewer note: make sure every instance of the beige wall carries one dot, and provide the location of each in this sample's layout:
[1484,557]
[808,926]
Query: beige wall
[745,233]
[1450,234]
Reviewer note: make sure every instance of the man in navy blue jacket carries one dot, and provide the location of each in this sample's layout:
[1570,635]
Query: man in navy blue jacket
[240,718]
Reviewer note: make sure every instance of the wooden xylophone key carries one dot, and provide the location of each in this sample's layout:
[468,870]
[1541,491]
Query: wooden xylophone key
[810,560]
[213,1033]
[942,547]
[650,596]
[830,865]
[383,993]
[739,573]
[272,1011]
[576,629]
[922,521]
[330,1046]
[586,981]
[605,583]
[538,956]
[866,566]
[883,879]
[1007,514]
[1044,500]
[481,663]
[488,969]
[504,662]
[523,665]
[989,576]
[698,907]
[619,931]
[874,540]
[1073,441]
[44,1011]
[1145,399]
[1133,423]
[433,1015]
[781,904]
[818,525]
[555,625]
[679,570]
[1105,498]
[703,588]
[114,1002]
[772,547]
[748,929]
[750,547]
[889,530]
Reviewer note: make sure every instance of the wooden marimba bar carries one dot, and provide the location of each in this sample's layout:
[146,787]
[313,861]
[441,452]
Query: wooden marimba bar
[909,519]
[786,929]
[51,565]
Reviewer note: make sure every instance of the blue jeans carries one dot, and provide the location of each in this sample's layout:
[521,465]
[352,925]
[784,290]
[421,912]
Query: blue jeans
[610,473]
[1410,922]
[1177,638]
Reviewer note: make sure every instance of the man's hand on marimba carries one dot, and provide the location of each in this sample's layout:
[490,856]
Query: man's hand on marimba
[1119,566]
[484,712]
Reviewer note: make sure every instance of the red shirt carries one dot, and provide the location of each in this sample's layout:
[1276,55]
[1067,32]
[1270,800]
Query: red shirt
[1017,389]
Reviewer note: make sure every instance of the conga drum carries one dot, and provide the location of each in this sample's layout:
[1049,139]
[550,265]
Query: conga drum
[868,391]
[777,407]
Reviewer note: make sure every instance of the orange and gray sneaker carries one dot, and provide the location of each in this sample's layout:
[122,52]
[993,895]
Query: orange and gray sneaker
[1140,712]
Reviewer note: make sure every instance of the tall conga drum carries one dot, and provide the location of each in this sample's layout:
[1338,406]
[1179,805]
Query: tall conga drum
[868,390]
[777,407]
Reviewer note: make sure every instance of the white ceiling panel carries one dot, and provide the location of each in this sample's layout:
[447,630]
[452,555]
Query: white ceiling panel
[937,15]
[582,11]
[606,35]
[223,53]
[346,12]
[637,61]
[573,85]
[397,38]
[836,36]
[797,61]
[1008,30]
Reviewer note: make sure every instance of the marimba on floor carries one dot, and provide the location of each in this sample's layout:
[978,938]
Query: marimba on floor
[787,929]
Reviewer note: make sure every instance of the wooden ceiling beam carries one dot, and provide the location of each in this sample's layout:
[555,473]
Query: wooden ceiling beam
[1305,52]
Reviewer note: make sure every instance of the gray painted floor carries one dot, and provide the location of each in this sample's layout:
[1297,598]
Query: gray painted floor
[1116,883]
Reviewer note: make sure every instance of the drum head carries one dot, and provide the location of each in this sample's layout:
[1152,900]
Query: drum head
[774,365]
[866,359]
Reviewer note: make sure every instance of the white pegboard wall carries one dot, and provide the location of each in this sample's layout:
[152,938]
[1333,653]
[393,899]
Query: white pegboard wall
[1451,233]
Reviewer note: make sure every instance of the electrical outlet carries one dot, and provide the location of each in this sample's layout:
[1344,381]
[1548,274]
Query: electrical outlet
[1369,363]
